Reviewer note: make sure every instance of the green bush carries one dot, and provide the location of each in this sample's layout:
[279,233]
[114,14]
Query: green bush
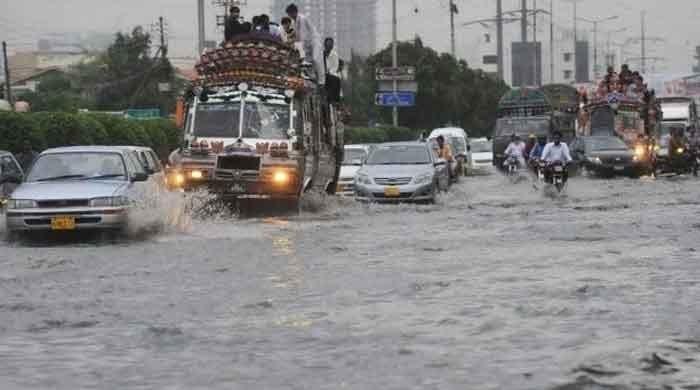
[364,135]
[64,129]
[120,131]
[157,131]
[16,128]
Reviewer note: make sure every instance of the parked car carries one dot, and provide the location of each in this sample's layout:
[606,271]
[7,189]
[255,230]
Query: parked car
[402,172]
[482,154]
[605,156]
[76,188]
[353,158]
[11,175]
[459,142]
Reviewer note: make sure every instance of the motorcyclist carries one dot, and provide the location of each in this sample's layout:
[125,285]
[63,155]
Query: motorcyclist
[536,152]
[531,142]
[556,152]
[445,153]
[694,147]
[677,145]
[516,150]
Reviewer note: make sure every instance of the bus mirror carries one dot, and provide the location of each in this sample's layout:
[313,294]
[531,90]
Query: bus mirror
[291,133]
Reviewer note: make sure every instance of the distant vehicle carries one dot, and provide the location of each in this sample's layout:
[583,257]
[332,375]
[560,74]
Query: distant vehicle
[482,153]
[678,113]
[76,188]
[459,142]
[523,112]
[11,175]
[402,172]
[353,158]
[150,162]
[605,156]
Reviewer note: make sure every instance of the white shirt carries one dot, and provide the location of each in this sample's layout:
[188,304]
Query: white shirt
[333,63]
[516,149]
[555,153]
[305,29]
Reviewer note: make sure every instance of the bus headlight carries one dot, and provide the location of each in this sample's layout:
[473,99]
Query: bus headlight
[176,179]
[196,175]
[280,177]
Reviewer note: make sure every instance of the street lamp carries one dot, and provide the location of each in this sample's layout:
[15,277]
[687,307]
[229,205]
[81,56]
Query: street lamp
[595,23]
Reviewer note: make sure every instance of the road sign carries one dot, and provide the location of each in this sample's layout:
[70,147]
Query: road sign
[144,114]
[408,86]
[400,99]
[406,73]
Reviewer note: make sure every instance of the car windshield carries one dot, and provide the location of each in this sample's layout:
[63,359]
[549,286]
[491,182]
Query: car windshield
[78,165]
[217,120]
[266,120]
[522,126]
[481,147]
[611,143]
[399,155]
[354,156]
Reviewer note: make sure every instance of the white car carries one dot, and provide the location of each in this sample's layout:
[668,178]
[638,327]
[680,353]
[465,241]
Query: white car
[354,157]
[459,142]
[482,154]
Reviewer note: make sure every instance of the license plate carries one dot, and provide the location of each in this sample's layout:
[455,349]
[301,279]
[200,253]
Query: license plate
[63,223]
[619,168]
[237,188]
[558,169]
[392,192]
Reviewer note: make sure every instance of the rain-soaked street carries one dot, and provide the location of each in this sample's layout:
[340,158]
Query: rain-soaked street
[495,287]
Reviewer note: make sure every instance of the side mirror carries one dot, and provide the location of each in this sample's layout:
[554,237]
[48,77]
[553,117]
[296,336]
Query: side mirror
[469,148]
[139,176]
[440,162]
[291,133]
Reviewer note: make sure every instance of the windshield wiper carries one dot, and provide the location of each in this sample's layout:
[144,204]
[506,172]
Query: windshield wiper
[104,176]
[61,177]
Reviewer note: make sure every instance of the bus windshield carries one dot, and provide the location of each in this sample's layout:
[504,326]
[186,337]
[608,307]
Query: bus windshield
[264,120]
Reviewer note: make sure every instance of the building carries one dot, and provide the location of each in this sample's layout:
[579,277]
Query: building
[351,23]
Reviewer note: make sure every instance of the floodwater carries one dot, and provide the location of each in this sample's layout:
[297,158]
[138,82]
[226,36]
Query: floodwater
[495,287]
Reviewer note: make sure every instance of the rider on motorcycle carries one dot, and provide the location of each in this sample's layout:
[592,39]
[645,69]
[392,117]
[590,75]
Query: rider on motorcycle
[515,150]
[536,152]
[694,147]
[556,152]
[445,153]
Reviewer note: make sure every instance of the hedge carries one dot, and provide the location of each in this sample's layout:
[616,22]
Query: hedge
[364,135]
[50,129]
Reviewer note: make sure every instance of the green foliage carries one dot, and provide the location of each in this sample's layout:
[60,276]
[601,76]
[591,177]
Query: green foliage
[56,92]
[56,129]
[449,91]
[18,128]
[364,135]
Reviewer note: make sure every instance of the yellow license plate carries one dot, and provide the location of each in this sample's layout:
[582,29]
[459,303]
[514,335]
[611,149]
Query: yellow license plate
[63,223]
[392,192]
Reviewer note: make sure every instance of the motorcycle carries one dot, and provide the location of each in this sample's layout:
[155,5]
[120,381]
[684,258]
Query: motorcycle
[512,166]
[683,161]
[558,175]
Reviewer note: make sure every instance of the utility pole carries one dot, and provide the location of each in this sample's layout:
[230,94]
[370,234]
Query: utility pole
[523,22]
[163,47]
[499,37]
[644,43]
[201,29]
[535,80]
[8,83]
[453,11]
[551,42]
[395,59]
[595,23]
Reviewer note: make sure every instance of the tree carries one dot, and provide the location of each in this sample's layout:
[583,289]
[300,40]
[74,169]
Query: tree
[449,91]
[56,91]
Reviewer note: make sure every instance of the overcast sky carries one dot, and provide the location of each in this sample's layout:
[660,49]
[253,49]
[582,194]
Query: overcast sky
[22,22]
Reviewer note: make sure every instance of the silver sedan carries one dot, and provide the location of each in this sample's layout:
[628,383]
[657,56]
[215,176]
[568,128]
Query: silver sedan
[75,188]
[401,172]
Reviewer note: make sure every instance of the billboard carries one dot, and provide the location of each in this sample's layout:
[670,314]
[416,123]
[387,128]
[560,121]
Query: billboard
[583,64]
[527,63]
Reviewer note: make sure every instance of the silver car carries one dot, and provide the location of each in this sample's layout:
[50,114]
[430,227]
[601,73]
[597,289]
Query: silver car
[76,188]
[402,172]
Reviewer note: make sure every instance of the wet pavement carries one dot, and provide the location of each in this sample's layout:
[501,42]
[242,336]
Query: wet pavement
[495,287]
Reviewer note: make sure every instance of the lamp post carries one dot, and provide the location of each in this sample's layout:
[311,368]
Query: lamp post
[595,23]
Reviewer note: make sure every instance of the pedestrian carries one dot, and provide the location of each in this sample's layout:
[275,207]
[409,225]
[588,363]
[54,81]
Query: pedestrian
[27,156]
[234,26]
[331,64]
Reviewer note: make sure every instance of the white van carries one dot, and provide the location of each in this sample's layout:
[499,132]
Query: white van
[459,142]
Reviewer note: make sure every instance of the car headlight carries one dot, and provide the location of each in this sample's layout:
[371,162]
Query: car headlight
[176,179]
[17,204]
[196,174]
[280,177]
[680,150]
[363,179]
[595,160]
[423,179]
[112,201]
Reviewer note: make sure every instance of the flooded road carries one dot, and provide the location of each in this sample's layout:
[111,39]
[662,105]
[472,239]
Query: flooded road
[495,287]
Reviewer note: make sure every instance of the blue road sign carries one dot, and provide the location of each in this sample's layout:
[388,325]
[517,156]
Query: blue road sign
[401,99]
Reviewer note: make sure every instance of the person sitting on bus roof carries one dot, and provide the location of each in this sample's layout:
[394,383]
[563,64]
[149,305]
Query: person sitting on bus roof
[290,35]
[234,26]
[625,74]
